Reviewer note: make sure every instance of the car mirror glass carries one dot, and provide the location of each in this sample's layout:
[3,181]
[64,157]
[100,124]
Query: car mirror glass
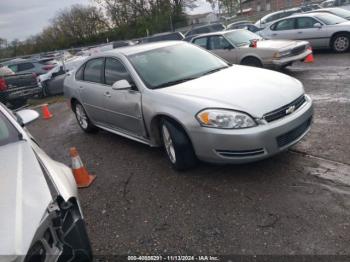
[26,116]
[121,85]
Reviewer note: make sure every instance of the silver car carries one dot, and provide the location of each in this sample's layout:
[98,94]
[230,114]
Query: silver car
[235,46]
[41,218]
[190,101]
[322,30]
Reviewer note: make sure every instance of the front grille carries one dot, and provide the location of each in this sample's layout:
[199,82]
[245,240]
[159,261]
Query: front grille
[285,110]
[241,153]
[294,134]
[298,50]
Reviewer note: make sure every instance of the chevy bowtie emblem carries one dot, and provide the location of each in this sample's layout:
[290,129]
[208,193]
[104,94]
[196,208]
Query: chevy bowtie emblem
[290,110]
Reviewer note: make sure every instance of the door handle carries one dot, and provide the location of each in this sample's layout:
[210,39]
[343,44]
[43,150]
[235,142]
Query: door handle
[108,94]
[81,87]
[300,32]
[274,34]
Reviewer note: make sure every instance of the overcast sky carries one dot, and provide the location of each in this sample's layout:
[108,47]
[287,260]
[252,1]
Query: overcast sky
[23,18]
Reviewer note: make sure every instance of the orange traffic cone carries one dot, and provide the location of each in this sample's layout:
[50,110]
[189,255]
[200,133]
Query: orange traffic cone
[81,175]
[310,57]
[46,113]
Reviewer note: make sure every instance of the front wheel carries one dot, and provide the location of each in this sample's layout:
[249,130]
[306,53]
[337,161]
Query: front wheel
[252,61]
[83,119]
[341,43]
[177,146]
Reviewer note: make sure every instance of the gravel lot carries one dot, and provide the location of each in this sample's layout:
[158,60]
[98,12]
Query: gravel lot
[295,203]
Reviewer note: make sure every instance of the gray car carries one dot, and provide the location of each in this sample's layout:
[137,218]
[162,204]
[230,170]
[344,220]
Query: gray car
[23,66]
[190,101]
[41,219]
[322,30]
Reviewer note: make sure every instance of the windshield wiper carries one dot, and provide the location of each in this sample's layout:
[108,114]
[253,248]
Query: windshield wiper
[175,82]
[214,70]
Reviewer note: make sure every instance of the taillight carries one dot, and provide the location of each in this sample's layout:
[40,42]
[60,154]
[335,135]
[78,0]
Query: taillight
[34,75]
[48,67]
[3,84]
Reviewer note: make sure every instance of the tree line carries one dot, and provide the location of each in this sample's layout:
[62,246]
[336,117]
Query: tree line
[106,20]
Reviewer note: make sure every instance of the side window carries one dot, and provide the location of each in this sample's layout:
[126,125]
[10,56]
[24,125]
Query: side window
[202,42]
[287,24]
[305,22]
[25,66]
[115,71]
[79,75]
[93,70]
[218,42]
[14,68]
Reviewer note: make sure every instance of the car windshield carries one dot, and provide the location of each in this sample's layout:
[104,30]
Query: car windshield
[241,37]
[8,133]
[174,64]
[330,19]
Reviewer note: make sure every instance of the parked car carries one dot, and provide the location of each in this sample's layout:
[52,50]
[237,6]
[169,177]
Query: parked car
[168,36]
[309,7]
[243,25]
[205,29]
[235,46]
[192,102]
[327,3]
[52,81]
[337,3]
[15,89]
[21,66]
[335,11]
[41,217]
[269,18]
[322,30]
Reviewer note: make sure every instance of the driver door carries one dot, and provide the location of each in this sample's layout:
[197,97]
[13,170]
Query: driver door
[220,46]
[123,106]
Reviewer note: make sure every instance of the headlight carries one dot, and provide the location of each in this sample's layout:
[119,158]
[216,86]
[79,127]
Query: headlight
[282,54]
[227,119]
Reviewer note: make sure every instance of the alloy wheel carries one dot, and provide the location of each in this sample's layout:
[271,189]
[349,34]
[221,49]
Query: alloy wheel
[168,144]
[341,43]
[81,116]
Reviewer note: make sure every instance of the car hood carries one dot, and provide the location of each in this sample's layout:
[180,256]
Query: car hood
[24,197]
[279,44]
[252,90]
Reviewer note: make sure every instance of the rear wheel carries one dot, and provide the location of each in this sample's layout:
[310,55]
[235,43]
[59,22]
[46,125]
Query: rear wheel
[177,146]
[83,119]
[341,43]
[251,61]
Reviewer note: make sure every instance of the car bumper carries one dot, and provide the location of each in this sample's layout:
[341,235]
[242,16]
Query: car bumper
[23,93]
[291,59]
[252,144]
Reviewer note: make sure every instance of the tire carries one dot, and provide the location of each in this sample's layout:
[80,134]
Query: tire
[178,146]
[19,102]
[340,43]
[252,61]
[83,119]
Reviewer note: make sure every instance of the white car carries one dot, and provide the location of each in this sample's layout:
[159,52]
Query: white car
[270,18]
[41,219]
[322,30]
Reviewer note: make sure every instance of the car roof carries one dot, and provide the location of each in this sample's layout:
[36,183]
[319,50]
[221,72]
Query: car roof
[217,33]
[135,49]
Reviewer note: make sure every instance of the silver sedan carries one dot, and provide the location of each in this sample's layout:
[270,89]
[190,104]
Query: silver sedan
[190,101]
[322,30]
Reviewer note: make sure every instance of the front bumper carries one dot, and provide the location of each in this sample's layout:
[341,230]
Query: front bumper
[252,144]
[290,59]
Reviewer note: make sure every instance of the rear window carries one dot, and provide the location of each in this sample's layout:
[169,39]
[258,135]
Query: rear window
[24,66]
[8,133]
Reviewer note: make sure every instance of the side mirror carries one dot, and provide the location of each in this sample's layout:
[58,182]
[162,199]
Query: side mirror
[26,116]
[317,25]
[121,85]
[262,22]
